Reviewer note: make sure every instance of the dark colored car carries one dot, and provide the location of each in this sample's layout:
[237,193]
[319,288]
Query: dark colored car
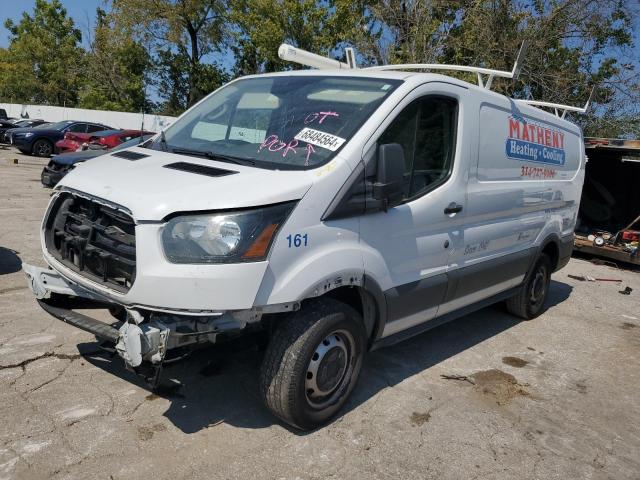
[3,114]
[40,140]
[5,126]
[60,165]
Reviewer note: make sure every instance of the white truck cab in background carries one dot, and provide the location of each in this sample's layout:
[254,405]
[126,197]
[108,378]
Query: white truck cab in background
[334,211]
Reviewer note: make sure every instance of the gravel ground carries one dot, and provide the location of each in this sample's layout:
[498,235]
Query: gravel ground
[484,397]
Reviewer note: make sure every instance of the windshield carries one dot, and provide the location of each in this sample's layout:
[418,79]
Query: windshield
[293,122]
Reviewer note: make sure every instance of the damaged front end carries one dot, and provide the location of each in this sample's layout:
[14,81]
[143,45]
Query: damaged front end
[143,338]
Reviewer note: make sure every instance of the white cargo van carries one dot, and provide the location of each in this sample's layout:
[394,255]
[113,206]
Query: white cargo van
[336,211]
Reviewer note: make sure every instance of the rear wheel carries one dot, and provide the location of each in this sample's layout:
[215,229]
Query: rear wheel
[312,363]
[528,303]
[42,148]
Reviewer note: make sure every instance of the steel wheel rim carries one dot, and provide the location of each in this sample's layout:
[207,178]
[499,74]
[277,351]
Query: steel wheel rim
[329,369]
[538,287]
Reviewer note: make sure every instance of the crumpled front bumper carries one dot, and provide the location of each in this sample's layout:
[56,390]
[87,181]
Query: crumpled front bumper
[43,282]
[46,283]
[144,337]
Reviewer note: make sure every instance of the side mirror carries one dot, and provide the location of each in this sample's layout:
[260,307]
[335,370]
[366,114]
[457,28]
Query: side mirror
[388,188]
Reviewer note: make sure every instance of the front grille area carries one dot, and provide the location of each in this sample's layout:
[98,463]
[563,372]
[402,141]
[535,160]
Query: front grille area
[92,239]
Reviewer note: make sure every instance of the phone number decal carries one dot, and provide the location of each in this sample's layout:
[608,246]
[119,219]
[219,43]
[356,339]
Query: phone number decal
[537,172]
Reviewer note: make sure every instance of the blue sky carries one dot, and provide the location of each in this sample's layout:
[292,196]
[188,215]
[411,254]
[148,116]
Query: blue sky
[82,12]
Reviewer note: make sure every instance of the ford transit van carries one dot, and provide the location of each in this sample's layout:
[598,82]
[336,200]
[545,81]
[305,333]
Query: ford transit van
[335,211]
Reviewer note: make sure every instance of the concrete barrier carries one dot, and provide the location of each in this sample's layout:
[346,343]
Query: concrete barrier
[150,122]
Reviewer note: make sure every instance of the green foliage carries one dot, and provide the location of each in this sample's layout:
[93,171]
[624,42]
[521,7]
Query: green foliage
[117,67]
[262,25]
[188,30]
[44,61]
[184,49]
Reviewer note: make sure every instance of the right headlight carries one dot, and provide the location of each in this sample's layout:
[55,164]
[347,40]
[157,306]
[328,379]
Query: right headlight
[224,237]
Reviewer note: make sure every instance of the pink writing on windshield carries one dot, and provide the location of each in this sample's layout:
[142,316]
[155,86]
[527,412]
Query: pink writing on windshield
[320,116]
[309,150]
[273,144]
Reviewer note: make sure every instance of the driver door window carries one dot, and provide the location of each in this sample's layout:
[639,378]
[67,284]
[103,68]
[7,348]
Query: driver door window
[426,130]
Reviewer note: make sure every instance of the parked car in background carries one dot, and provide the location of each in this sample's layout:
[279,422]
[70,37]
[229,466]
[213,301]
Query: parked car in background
[63,163]
[113,138]
[3,114]
[72,141]
[6,125]
[40,141]
[98,141]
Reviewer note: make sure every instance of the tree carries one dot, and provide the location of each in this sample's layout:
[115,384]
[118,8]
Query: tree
[117,68]
[188,29]
[573,45]
[408,31]
[45,59]
[260,26]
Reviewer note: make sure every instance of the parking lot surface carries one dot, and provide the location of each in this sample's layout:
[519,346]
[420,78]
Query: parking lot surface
[486,396]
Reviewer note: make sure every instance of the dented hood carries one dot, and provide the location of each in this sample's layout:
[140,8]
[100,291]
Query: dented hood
[151,190]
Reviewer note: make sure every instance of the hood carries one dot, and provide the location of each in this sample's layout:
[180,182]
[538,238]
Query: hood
[151,191]
[34,130]
[76,157]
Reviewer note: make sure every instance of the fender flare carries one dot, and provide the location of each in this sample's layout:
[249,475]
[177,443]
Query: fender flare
[377,298]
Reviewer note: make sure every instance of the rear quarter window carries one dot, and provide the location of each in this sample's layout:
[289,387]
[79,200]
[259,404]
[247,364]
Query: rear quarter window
[515,146]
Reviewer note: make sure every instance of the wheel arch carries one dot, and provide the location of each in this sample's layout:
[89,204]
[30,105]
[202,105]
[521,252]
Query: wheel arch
[368,300]
[551,247]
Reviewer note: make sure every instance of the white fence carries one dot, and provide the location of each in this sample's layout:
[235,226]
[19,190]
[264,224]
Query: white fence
[152,123]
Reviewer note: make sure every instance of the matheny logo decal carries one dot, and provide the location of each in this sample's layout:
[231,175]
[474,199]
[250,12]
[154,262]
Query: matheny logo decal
[532,142]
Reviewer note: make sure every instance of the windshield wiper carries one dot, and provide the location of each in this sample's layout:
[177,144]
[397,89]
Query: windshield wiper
[213,156]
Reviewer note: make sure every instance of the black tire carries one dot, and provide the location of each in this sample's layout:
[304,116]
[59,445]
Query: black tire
[529,302]
[323,325]
[42,148]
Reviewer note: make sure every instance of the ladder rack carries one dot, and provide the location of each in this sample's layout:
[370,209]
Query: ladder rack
[558,107]
[293,54]
[479,71]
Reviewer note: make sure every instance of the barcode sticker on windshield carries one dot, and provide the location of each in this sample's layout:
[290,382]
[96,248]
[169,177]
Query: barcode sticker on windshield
[320,139]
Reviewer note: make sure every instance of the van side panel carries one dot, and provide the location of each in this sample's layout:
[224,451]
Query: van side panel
[517,146]
[525,189]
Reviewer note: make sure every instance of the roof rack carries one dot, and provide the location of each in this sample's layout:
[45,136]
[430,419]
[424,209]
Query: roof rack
[479,71]
[293,54]
[558,107]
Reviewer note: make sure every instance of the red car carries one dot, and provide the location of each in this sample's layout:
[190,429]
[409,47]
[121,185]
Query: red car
[110,139]
[98,140]
[73,141]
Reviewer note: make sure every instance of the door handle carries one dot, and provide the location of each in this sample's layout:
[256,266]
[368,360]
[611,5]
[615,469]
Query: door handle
[453,207]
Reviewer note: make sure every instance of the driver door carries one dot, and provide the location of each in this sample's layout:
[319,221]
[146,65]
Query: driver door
[409,247]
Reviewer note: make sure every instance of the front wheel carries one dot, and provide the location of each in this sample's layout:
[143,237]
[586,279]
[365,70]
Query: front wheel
[312,363]
[528,303]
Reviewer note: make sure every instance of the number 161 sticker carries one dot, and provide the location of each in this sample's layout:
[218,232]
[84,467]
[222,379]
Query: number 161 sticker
[298,240]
